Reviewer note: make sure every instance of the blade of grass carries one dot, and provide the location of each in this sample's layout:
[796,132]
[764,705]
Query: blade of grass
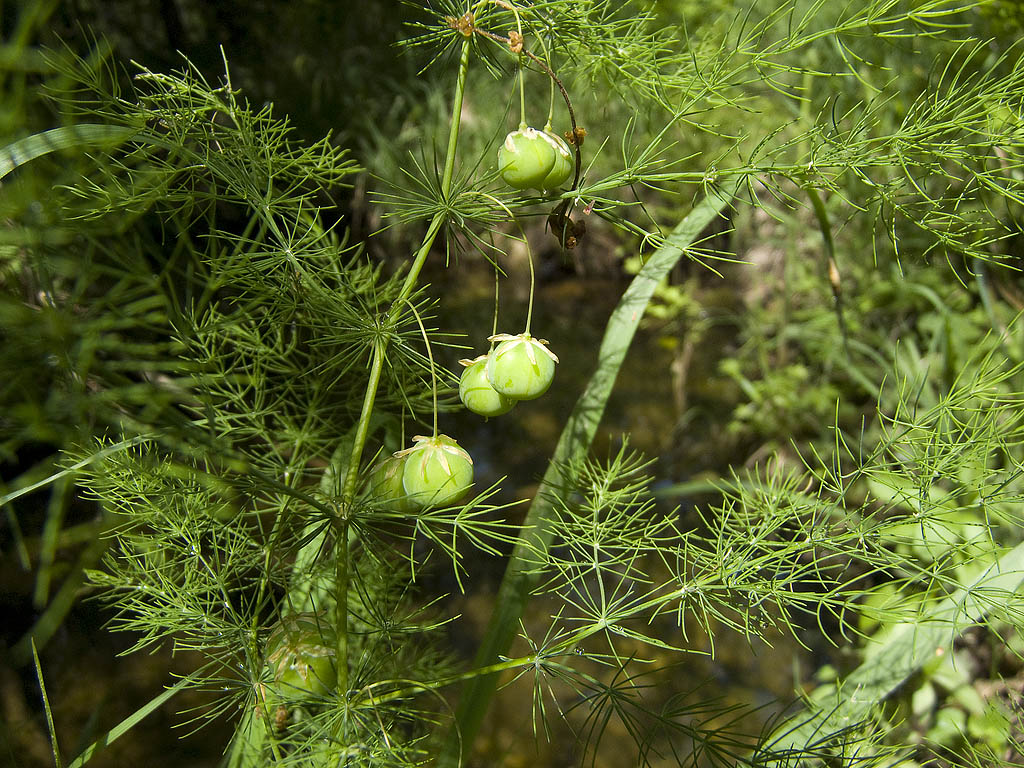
[56,509]
[46,706]
[22,151]
[128,723]
[573,444]
[20,547]
[7,498]
[247,743]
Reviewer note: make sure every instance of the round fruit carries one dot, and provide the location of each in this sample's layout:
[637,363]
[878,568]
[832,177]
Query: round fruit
[563,167]
[300,653]
[385,484]
[476,392]
[526,158]
[521,367]
[437,471]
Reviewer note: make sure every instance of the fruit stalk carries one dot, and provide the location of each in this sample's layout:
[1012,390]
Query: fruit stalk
[576,131]
[446,183]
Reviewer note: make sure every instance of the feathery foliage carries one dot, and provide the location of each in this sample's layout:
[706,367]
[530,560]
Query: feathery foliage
[231,378]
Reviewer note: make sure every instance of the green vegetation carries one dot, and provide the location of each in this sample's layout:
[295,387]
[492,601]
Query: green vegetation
[232,413]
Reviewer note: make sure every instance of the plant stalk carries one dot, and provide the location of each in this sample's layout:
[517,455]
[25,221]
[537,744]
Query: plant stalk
[831,270]
[446,183]
[342,569]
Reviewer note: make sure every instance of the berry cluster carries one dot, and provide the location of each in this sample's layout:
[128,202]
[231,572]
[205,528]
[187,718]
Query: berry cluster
[519,368]
[436,471]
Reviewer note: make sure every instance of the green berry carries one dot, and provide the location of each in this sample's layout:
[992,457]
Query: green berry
[385,484]
[526,158]
[437,471]
[564,164]
[300,654]
[521,367]
[476,392]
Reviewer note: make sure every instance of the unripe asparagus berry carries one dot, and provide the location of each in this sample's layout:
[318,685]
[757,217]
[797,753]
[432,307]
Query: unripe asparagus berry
[385,484]
[437,471]
[476,391]
[563,167]
[521,367]
[526,158]
[300,653]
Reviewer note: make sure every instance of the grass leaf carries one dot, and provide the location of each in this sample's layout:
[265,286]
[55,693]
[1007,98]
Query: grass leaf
[46,706]
[19,152]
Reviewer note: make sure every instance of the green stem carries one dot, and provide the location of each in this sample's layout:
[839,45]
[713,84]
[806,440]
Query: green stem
[412,690]
[341,574]
[497,288]
[342,570]
[446,185]
[410,281]
[551,109]
[831,270]
[522,100]
[551,85]
[522,79]
[529,306]
[430,358]
[821,214]
[341,584]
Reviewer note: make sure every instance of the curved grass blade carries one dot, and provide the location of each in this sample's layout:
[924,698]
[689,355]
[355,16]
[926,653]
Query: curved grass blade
[22,151]
[128,723]
[7,498]
[46,706]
